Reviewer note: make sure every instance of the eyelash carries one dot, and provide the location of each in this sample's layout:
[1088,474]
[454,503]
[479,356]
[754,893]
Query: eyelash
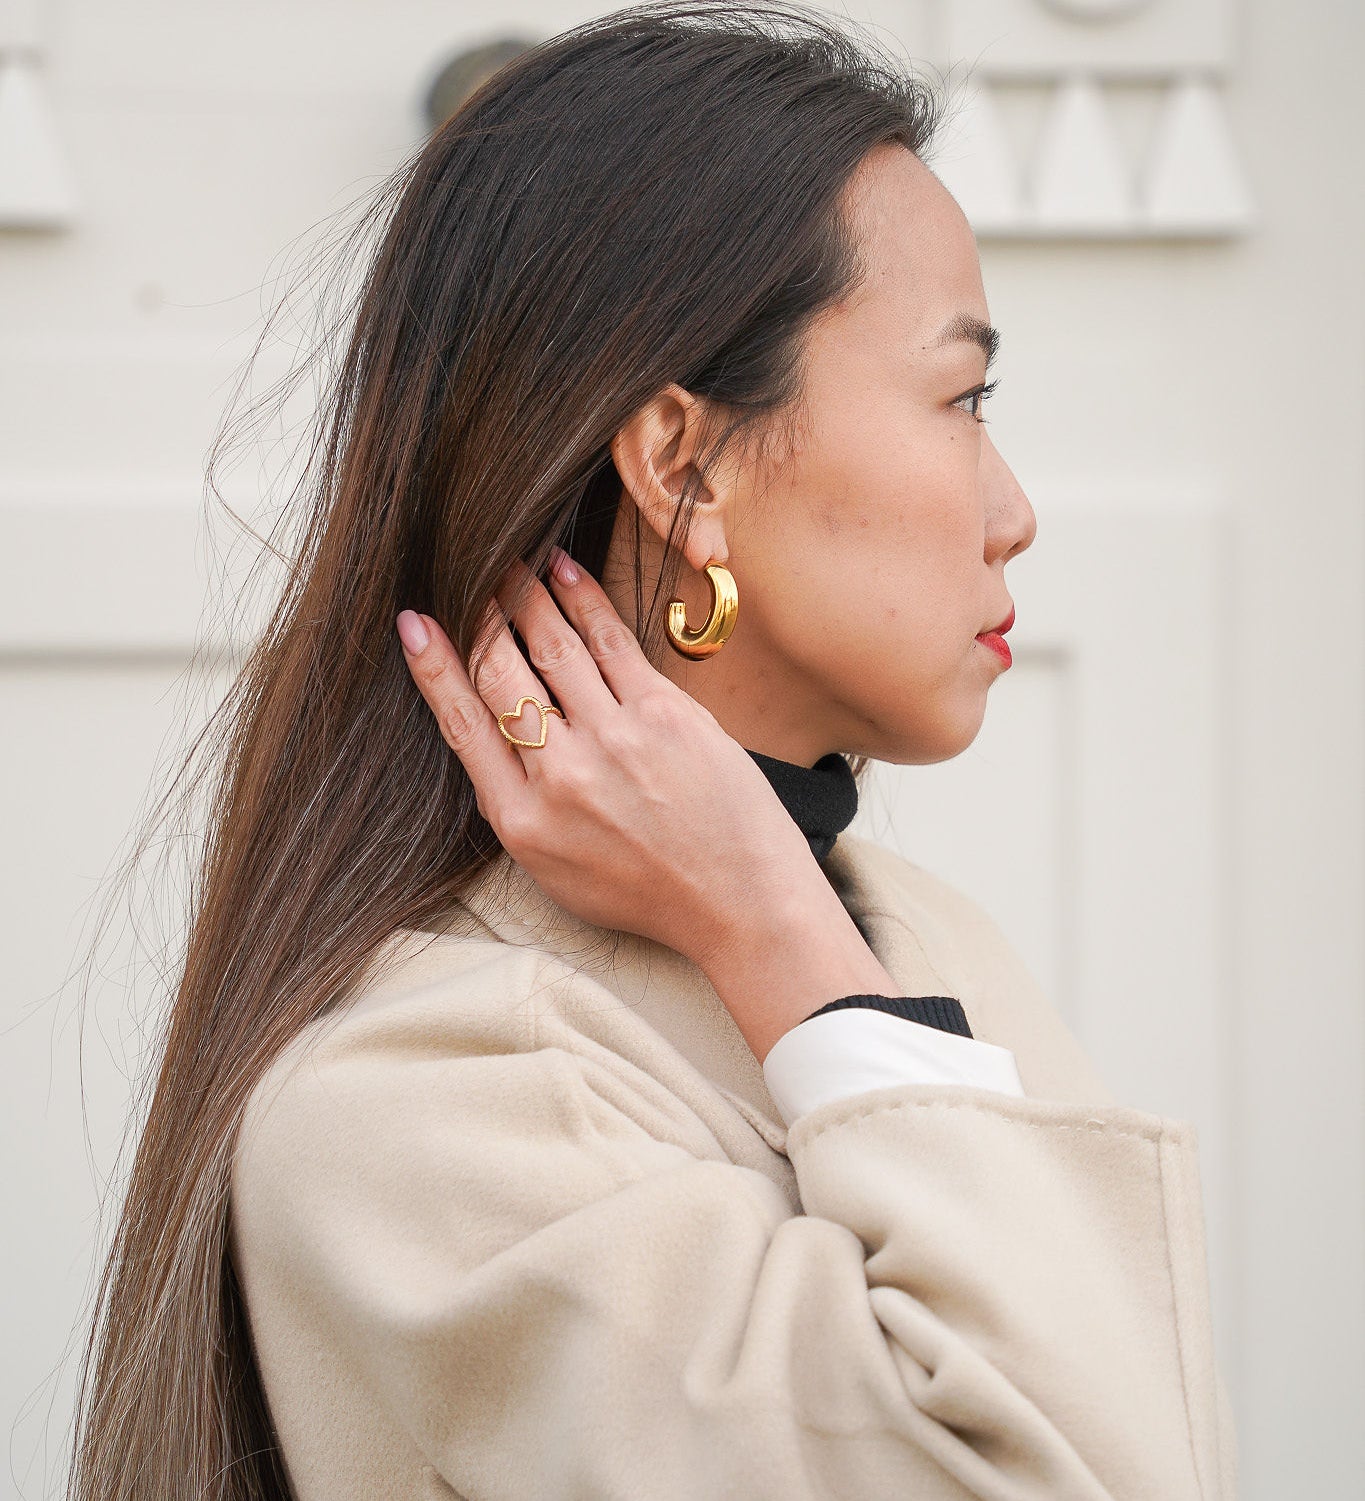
[979,391]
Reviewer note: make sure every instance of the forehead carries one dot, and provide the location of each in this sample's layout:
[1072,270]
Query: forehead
[918,249]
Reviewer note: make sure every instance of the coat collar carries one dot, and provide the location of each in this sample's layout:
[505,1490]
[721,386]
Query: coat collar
[509,903]
[671,993]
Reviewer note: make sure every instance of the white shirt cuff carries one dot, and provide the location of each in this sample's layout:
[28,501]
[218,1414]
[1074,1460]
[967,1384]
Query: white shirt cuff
[858,1048]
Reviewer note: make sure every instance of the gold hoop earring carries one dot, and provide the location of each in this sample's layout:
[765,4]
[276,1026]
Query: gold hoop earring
[719,623]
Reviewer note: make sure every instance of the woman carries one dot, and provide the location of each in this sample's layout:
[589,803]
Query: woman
[556,1102]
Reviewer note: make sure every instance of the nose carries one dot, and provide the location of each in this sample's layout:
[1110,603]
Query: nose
[1010,521]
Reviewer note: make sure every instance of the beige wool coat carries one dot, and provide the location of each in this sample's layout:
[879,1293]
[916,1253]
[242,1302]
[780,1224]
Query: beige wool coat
[519,1221]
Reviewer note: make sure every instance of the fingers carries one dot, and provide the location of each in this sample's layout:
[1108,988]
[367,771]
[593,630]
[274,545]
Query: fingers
[574,637]
[620,660]
[468,725]
[556,650]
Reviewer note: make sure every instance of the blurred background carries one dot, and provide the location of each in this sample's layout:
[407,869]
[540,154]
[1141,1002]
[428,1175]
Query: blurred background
[1164,806]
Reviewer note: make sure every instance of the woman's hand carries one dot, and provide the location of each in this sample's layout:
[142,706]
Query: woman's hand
[639,812]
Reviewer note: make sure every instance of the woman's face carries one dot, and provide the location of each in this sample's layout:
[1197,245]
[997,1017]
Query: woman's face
[870,551]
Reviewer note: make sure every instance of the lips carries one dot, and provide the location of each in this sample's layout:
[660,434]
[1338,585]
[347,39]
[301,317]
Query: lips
[999,630]
[994,641]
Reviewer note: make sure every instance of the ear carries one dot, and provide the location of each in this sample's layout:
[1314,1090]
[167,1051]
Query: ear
[655,453]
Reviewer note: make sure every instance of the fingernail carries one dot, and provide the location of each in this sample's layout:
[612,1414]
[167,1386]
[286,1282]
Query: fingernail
[412,632]
[563,566]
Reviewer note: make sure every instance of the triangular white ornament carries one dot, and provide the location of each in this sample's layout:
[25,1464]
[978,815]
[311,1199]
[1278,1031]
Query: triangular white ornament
[1080,181]
[20,27]
[1193,180]
[976,165]
[35,187]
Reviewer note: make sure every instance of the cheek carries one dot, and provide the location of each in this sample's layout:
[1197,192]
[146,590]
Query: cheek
[888,464]
[858,609]
[899,521]
[870,537]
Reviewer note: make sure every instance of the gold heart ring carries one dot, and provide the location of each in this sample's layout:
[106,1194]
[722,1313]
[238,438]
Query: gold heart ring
[545,711]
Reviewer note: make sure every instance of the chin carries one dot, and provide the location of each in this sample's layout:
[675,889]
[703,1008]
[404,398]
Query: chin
[919,744]
[956,710]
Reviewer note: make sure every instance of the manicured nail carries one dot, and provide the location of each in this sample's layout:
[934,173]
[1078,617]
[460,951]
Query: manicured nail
[563,566]
[412,631]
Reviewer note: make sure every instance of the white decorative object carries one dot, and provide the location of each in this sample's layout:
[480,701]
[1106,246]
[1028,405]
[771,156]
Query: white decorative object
[1038,39]
[35,187]
[1096,10]
[1081,180]
[19,26]
[976,165]
[1193,182]
[1081,183]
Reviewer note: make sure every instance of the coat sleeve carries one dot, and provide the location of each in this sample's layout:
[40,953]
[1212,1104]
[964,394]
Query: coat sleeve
[561,1288]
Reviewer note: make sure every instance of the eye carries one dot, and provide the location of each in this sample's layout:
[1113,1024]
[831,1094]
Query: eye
[976,396]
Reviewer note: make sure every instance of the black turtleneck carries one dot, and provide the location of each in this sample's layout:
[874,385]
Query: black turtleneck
[823,800]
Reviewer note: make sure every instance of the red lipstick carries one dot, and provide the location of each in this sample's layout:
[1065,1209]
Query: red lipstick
[995,639]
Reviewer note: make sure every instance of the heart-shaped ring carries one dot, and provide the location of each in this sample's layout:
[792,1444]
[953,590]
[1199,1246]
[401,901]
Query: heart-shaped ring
[545,711]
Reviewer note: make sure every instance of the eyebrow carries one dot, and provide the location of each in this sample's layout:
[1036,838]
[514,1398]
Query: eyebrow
[969,328]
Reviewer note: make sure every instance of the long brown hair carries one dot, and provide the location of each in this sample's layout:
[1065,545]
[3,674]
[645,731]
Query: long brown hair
[653,196]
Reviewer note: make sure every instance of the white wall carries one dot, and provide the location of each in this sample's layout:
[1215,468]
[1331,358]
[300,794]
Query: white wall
[1164,809]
